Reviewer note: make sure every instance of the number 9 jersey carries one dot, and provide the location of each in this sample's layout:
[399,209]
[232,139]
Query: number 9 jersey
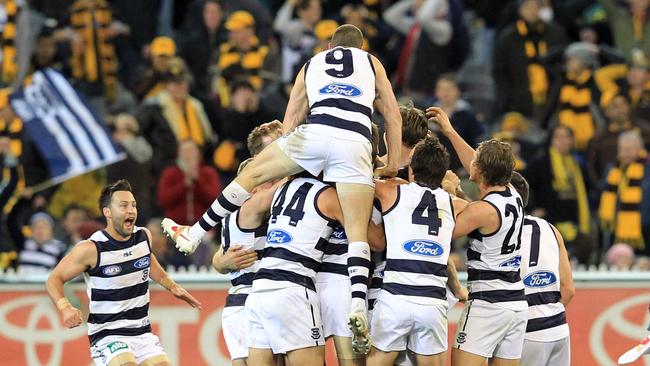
[340,87]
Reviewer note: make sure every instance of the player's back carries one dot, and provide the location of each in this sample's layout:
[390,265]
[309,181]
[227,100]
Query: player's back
[493,259]
[419,229]
[340,85]
[540,270]
[296,239]
[232,234]
[118,286]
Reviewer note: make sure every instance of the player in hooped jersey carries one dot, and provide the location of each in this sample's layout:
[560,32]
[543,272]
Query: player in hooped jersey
[117,264]
[243,239]
[328,127]
[546,273]
[411,311]
[493,322]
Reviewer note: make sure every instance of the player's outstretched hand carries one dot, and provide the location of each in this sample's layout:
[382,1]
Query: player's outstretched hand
[437,115]
[462,294]
[71,317]
[450,182]
[385,172]
[237,258]
[182,294]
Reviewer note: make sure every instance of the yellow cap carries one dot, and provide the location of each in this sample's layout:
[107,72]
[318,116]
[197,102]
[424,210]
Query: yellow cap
[240,20]
[163,46]
[325,29]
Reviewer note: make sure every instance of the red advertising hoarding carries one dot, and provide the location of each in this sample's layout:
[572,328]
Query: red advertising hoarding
[604,323]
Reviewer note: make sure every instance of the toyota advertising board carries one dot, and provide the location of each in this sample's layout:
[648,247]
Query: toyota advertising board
[606,319]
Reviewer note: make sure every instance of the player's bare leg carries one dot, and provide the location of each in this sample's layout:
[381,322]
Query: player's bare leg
[310,356]
[272,163]
[239,362]
[345,354]
[462,358]
[378,357]
[356,203]
[260,357]
[123,359]
[496,361]
[431,360]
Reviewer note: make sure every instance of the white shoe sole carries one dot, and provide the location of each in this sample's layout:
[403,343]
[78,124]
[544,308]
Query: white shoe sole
[635,353]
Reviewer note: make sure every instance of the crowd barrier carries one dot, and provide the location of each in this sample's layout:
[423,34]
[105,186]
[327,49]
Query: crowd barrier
[608,315]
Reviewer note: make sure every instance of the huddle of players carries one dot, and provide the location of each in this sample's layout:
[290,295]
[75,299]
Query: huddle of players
[286,252]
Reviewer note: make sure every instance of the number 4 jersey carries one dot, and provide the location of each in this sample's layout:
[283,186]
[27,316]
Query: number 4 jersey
[419,227]
[493,259]
[340,87]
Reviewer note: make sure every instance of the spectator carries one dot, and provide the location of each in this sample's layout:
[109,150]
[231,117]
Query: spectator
[41,252]
[521,78]
[602,149]
[518,125]
[620,257]
[460,114]
[629,24]
[324,31]
[576,96]
[297,35]
[186,189]
[159,244]
[559,191]
[74,216]
[150,82]
[174,116]
[427,29]
[201,48]
[138,160]
[632,80]
[241,56]
[245,112]
[624,210]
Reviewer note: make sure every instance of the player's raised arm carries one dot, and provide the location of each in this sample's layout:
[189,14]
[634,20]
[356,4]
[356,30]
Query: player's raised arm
[463,150]
[298,105]
[82,257]
[386,104]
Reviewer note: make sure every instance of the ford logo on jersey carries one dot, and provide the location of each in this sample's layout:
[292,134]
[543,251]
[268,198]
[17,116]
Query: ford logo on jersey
[278,236]
[423,247]
[513,262]
[112,270]
[341,89]
[339,234]
[540,279]
[141,263]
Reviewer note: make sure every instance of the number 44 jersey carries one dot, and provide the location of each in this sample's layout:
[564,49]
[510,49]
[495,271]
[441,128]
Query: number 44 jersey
[419,227]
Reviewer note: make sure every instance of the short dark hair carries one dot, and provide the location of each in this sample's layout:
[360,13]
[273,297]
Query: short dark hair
[108,190]
[414,125]
[73,207]
[521,186]
[347,35]
[241,83]
[448,76]
[496,162]
[430,162]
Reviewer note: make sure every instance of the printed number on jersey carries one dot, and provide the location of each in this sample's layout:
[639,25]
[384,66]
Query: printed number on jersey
[343,59]
[296,208]
[432,220]
[508,245]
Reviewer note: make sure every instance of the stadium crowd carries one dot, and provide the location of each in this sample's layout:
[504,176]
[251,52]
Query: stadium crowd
[182,84]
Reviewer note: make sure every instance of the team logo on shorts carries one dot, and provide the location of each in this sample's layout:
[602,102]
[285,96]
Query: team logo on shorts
[462,337]
[116,346]
[346,90]
[540,279]
[315,333]
[513,262]
[423,247]
[112,270]
[141,263]
[278,236]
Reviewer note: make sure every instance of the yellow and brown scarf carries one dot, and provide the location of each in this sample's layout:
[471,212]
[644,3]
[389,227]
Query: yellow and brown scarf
[95,61]
[13,130]
[189,123]
[9,68]
[620,203]
[535,47]
[575,98]
[251,62]
[567,179]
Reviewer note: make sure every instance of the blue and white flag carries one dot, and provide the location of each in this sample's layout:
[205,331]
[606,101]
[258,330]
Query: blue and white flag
[71,138]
